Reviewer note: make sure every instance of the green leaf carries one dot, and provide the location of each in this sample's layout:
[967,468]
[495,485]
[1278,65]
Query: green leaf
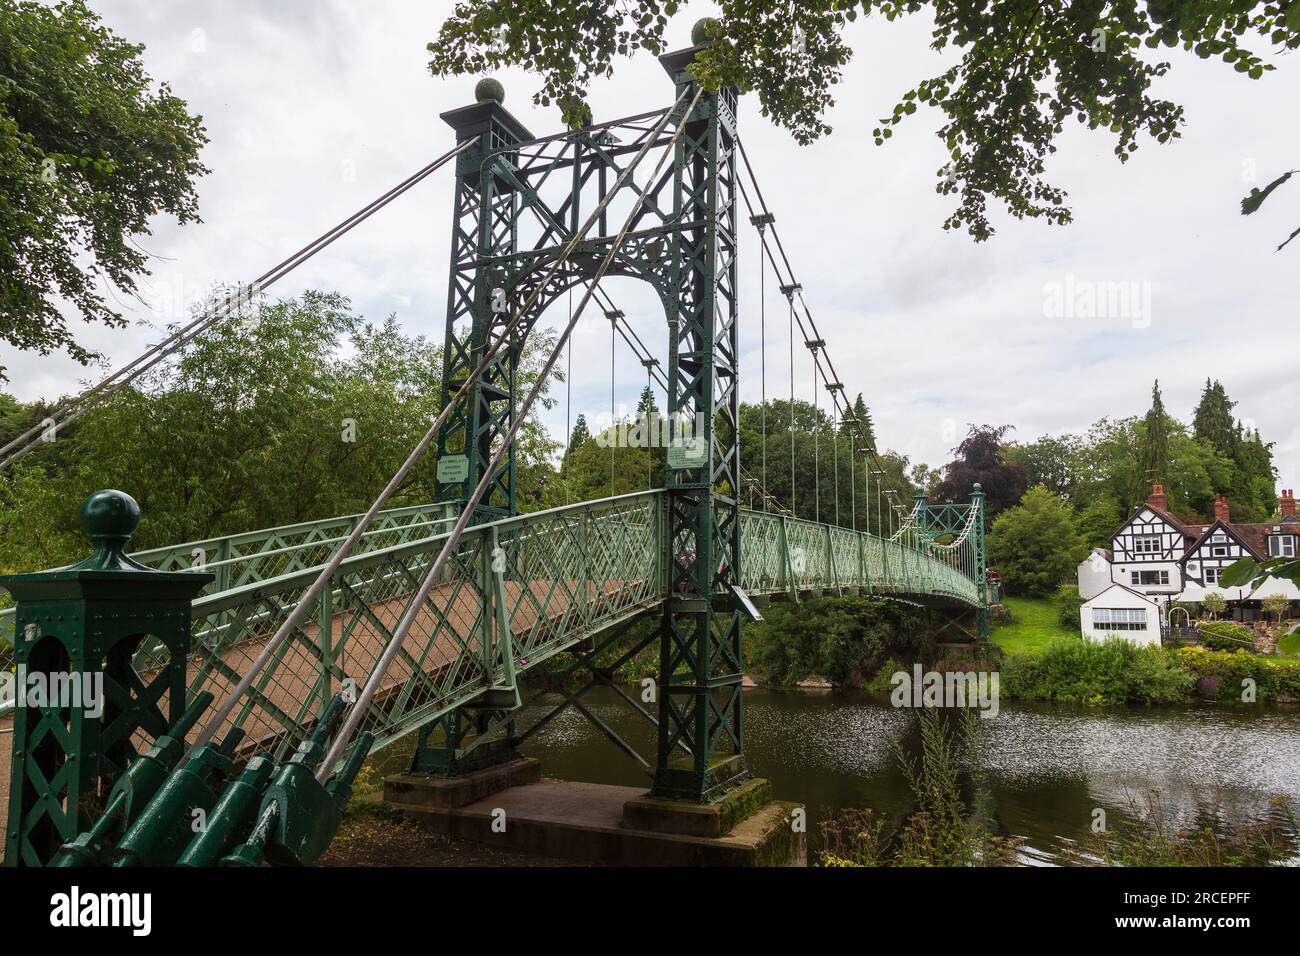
[1257,196]
[1240,573]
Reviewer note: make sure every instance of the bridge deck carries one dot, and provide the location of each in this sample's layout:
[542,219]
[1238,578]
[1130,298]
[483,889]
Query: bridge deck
[567,574]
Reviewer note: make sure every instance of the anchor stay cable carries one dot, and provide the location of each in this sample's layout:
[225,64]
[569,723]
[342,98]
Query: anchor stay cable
[229,303]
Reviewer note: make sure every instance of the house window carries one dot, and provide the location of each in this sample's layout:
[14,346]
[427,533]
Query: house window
[1149,578]
[1146,544]
[1281,546]
[1219,551]
[1119,619]
[1212,575]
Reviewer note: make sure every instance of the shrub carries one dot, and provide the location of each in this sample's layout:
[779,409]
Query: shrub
[1000,615]
[1272,679]
[1226,636]
[1114,671]
[1066,603]
[845,639]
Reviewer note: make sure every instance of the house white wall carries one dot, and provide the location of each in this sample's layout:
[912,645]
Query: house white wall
[1094,574]
[1276,586]
[1120,601]
[1123,574]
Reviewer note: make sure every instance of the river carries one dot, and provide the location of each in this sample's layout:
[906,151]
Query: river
[1049,765]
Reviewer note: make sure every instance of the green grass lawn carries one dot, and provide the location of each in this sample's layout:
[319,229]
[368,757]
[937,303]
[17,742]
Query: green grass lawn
[1035,626]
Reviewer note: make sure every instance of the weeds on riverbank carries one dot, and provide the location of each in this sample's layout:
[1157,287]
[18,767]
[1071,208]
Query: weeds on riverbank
[1112,671]
[949,824]
[1149,836]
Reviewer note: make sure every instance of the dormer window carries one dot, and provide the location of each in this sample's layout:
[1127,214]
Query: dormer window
[1146,544]
[1281,546]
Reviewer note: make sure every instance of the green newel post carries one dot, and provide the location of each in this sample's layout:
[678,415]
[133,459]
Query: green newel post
[82,707]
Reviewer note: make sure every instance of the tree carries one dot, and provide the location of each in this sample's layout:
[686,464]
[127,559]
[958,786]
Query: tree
[1155,440]
[1036,545]
[863,415]
[578,437]
[1099,520]
[1214,604]
[1052,462]
[1023,70]
[90,150]
[981,458]
[1212,420]
[1275,604]
[263,421]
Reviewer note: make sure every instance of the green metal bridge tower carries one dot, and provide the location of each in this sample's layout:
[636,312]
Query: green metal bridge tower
[519,200]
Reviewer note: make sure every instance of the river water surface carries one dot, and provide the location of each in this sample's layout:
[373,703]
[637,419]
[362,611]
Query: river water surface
[1049,765]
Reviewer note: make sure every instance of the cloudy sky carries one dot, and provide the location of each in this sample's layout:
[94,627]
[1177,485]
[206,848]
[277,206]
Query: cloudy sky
[314,108]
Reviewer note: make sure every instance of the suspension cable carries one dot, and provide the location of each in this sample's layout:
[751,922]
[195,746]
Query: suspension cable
[613,322]
[760,223]
[790,297]
[788,281]
[493,346]
[568,411]
[835,453]
[816,430]
[78,406]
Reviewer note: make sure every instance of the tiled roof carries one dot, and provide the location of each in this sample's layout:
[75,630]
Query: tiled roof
[1253,536]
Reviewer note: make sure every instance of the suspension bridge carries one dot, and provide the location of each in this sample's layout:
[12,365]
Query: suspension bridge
[246,678]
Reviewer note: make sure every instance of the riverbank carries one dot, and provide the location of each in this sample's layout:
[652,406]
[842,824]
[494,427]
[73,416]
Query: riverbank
[861,642]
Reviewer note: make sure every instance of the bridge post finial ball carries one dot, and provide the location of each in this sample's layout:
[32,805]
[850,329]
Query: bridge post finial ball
[977,487]
[489,90]
[703,27]
[110,516]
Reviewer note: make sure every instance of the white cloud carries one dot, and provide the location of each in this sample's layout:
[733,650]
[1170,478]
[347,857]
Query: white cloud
[313,109]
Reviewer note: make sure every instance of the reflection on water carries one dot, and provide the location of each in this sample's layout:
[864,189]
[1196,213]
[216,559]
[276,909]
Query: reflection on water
[1049,766]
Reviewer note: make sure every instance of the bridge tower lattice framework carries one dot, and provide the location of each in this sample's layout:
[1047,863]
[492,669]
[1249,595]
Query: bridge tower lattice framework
[518,201]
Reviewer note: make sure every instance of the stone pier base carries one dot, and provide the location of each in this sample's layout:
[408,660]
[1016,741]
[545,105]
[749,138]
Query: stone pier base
[597,823]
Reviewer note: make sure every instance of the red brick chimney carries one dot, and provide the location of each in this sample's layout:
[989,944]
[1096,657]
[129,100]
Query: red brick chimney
[1221,508]
[1288,503]
[1157,498]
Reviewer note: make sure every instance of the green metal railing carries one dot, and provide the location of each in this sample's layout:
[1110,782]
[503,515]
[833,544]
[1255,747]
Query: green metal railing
[788,555]
[241,559]
[516,592]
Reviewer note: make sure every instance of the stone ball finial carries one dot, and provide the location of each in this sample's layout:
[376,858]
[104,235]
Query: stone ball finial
[703,27]
[110,517]
[489,90]
[977,487]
